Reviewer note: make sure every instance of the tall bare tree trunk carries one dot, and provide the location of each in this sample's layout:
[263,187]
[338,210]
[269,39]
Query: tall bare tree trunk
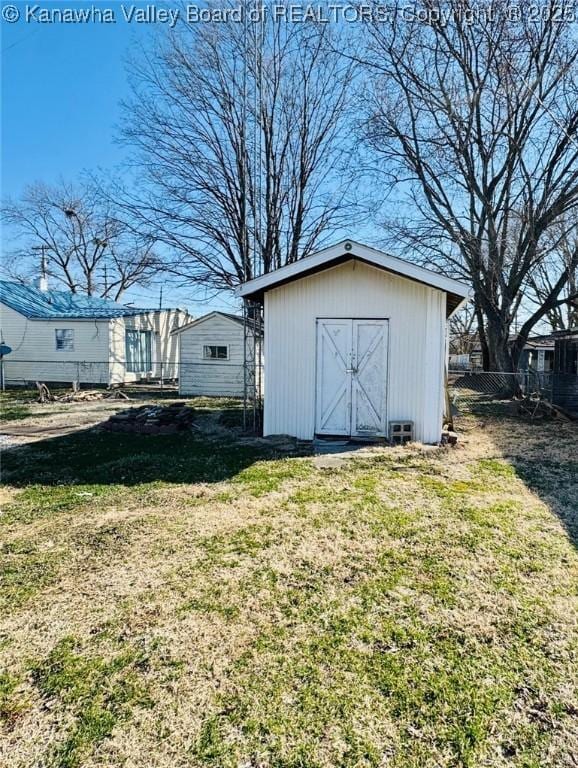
[476,124]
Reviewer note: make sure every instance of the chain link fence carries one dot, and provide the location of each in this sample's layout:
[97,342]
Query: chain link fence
[483,393]
[470,392]
[90,372]
[212,376]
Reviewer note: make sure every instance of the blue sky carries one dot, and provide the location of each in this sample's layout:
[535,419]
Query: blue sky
[61,90]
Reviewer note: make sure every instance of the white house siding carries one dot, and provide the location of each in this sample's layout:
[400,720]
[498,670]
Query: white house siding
[417,330]
[34,356]
[165,347]
[212,377]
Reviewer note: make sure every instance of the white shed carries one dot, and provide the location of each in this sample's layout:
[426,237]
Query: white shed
[211,356]
[353,340]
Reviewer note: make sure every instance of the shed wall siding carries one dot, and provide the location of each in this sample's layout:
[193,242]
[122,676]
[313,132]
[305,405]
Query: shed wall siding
[34,356]
[417,325]
[212,377]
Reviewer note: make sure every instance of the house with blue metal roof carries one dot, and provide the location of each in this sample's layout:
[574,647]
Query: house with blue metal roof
[60,336]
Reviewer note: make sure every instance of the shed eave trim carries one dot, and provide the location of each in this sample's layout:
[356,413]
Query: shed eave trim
[199,320]
[336,253]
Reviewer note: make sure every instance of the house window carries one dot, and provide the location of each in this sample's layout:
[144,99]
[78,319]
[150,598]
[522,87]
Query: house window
[212,352]
[64,339]
[138,351]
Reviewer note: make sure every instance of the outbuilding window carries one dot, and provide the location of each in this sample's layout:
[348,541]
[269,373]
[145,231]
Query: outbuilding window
[64,339]
[138,351]
[214,352]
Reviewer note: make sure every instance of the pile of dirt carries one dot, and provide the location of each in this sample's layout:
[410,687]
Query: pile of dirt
[152,420]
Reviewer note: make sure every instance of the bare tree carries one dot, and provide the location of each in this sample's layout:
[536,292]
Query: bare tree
[84,246]
[462,335]
[564,315]
[236,128]
[475,118]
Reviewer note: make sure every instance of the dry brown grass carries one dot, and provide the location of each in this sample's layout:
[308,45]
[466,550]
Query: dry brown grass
[410,608]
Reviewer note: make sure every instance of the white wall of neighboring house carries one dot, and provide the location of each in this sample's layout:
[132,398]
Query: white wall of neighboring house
[199,376]
[416,354]
[34,356]
[459,362]
[99,354]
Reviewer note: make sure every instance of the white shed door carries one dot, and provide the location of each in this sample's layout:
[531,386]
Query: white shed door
[351,377]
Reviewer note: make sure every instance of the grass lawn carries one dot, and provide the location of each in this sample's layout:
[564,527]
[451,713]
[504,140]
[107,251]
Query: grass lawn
[172,602]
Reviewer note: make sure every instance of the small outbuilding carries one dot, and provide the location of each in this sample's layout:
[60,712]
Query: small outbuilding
[212,356]
[354,339]
[565,379]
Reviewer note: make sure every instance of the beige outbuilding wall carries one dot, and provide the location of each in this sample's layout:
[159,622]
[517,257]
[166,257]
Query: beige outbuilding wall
[165,346]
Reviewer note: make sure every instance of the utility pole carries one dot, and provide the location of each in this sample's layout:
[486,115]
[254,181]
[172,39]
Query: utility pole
[42,249]
[42,283]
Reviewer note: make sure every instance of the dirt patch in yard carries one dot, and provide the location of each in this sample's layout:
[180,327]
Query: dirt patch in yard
[206,602]
[23,420]
[43,421]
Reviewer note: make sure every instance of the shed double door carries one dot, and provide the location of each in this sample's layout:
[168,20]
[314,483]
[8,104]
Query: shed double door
[351,377]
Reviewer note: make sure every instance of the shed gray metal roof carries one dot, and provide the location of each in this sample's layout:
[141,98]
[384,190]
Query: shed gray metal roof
[48,305]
